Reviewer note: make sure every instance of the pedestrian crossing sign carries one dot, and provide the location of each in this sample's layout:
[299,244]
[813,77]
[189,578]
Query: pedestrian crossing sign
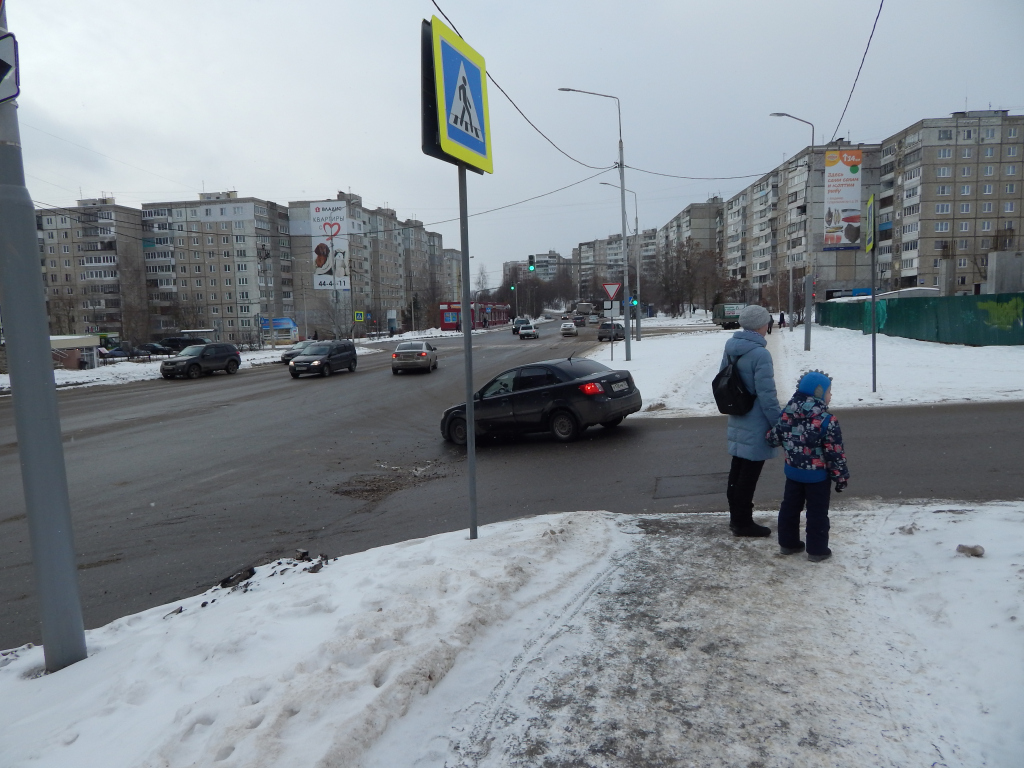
[460,84]
[360,317]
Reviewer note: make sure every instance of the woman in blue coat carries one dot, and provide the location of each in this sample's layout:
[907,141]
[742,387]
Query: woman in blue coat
[746,433]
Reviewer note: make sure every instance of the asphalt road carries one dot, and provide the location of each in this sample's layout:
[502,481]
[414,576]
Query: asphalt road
[177,484]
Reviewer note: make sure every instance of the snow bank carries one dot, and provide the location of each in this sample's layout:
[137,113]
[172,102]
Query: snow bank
[674,372]
[128,371]
[292,667]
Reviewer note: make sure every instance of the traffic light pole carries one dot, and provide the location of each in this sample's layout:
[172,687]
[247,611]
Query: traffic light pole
[36,417]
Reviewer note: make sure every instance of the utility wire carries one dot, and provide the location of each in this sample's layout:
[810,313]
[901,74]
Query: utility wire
[695,178]
[862,58]
[510,101]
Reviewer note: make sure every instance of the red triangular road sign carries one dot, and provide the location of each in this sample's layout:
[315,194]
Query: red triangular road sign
[612,289]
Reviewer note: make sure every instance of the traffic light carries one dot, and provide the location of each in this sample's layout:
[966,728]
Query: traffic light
[633,301]
[533,263]
[512,287]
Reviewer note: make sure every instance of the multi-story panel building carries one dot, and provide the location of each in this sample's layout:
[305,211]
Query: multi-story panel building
[93,270]
[416,265]
[452,272]
[951,189]
[697,222]
[220,264]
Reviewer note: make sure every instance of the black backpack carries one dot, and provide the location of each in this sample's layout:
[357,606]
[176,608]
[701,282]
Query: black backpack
[730,393]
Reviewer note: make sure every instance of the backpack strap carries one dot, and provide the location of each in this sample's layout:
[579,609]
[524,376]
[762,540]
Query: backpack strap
[824,423]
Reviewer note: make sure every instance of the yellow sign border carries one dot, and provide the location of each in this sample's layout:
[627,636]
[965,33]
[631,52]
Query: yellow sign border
[441,32]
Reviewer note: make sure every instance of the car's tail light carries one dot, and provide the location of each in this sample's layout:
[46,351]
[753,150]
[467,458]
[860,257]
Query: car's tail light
[591,388]
[394,354]
[423,354]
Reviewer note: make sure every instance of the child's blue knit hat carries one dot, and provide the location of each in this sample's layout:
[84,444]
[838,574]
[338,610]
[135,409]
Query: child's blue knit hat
[814,383]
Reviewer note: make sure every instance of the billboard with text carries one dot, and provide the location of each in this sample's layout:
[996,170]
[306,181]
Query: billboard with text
[329,229]
[842,217]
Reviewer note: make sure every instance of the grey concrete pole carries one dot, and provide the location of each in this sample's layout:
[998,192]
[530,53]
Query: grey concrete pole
[625,255]
[467,346]
[808,306]
[36,415]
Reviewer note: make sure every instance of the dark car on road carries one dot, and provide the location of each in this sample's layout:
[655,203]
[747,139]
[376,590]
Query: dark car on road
[563,397]
[518,323]
[579,321]
[194,361]
[178,343]
[324,358]
[295,350]
[604,333]
[155,349]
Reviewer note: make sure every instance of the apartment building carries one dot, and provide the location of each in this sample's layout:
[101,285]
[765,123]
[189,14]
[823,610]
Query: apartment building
[221,264]
[92,269]
[951,190]
[452,274]
[698,222]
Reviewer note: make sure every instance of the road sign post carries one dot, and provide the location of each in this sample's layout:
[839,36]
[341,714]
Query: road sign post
[869,245]
[36,417]
[456,128]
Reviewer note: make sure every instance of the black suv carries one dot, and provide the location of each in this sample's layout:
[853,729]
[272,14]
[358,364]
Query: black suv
[195,360]
[178,343]
[324,358]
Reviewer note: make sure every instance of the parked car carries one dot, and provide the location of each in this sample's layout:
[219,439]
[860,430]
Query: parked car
[178,343]
[156,349]
[569,329]
[198,359]
[594,319]
[413,356]
[324,358]
[564,397]
[294,350]
[518,323]
[604,333]
[579,321]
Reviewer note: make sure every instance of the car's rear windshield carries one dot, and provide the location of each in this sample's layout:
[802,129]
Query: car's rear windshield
[301,344]
[578,368]
[410,346]
[192,351]
[317,349]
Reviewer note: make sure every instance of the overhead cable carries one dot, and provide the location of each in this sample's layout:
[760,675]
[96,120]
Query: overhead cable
[862,58]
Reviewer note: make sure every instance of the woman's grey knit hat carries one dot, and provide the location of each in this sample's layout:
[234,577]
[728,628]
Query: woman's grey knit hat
[753,317]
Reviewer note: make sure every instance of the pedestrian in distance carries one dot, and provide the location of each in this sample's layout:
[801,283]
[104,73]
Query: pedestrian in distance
[746,434]
[771,322]
[782,319]
[815,459]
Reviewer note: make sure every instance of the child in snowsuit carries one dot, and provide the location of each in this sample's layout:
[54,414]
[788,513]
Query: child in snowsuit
[814,460]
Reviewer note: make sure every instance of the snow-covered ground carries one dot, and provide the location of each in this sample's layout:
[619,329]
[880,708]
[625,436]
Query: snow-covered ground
[129,371]
[674,372]
[582,638]
[700,318]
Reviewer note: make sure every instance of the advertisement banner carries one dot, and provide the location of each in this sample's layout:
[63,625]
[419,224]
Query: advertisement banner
[330,245]
[842,199]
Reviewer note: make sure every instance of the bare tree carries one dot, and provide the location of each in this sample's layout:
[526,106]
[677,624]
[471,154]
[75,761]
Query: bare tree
[62,315]
[483,279]
[134,302]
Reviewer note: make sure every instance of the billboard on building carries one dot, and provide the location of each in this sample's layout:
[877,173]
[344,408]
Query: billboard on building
[842,199]
[329,228]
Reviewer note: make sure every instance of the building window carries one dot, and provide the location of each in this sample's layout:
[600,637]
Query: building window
[989,170]
[941,245]
[945,134]
[965,226]
[967,133]
[1011,133]
[67,248]
[965,189]
[965,171]
[986,207]
[942,226]
[961,263]
[942,189]
[965,207]
[1011,170]
[986,242]
[944,153]
[961,280]
[986,226]
[962,245]
[990,133]
[943,171]
[942,207]
[1011,151]
[1008,206]
[986,189]
[965,153]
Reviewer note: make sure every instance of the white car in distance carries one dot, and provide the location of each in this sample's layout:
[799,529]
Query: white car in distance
[569,329]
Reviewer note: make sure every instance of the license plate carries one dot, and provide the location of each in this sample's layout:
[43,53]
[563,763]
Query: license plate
[618,386]
[300,367]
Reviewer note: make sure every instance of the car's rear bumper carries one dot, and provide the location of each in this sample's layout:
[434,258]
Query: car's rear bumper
[604,408]
[403,365]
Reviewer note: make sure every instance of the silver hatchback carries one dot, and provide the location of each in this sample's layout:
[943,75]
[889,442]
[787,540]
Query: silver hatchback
[414,356]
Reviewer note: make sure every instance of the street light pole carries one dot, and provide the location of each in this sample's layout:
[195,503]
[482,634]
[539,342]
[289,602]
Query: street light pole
[622,202]
[810,168]
[636,229]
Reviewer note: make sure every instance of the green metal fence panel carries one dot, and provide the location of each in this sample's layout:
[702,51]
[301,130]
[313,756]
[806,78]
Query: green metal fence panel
[986,320]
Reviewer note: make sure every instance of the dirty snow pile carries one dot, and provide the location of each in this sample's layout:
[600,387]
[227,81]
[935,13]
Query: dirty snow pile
[674,372]
[571,639]
[127,371]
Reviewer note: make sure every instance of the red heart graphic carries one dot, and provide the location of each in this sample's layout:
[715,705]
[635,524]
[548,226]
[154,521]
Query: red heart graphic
[332,229]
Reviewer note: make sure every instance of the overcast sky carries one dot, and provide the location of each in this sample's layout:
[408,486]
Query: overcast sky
[156,101]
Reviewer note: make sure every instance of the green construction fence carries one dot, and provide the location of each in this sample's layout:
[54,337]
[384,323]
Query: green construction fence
[980,321]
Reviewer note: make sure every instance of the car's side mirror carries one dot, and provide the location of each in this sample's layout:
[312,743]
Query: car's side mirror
[476,396]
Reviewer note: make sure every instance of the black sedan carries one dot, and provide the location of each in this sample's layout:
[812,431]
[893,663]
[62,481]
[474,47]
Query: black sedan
[563,397]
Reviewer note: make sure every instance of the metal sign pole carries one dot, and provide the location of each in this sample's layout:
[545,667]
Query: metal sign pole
[874,319]
[37,420]
[467,346]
